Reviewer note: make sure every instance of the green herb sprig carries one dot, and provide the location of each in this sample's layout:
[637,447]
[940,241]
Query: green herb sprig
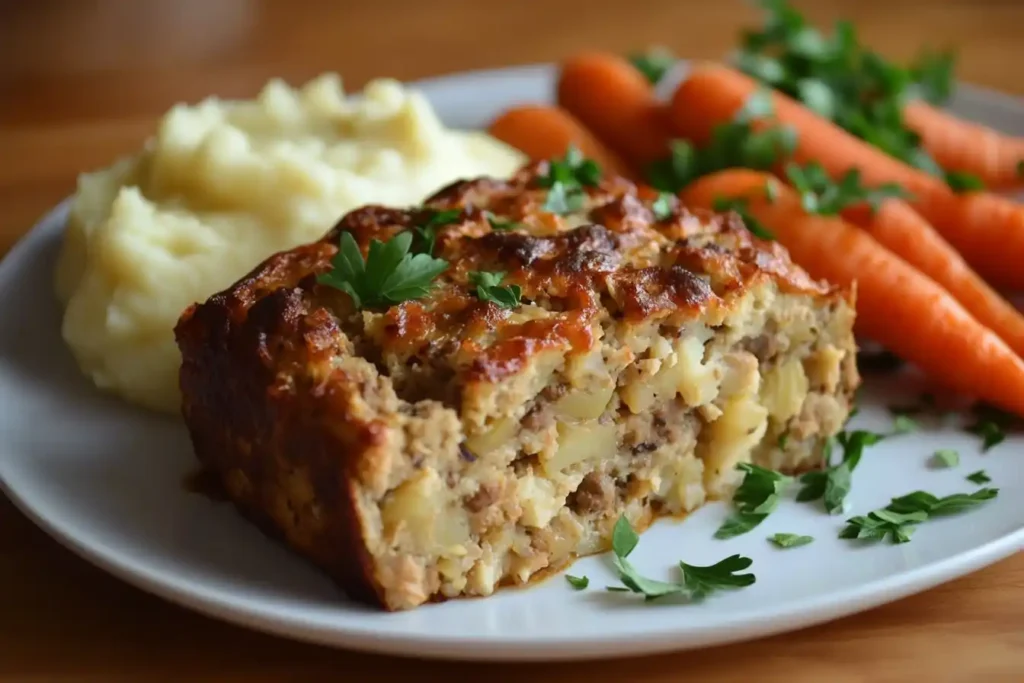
[566,179]
[489,288]
[389,275]
[697,581]
[426,234]
[834,482]
[755,498]
[900,518]
[821,195]
[653,63]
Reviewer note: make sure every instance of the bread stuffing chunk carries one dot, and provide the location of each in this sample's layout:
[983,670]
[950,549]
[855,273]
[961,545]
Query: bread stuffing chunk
[436,402]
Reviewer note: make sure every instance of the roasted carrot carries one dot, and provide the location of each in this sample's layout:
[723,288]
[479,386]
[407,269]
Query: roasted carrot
[988,230]
[897,305]
[959,145]
[544,132]
[615,101]
[904,232]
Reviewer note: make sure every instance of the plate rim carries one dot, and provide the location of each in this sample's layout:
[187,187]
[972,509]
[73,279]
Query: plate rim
[744,626]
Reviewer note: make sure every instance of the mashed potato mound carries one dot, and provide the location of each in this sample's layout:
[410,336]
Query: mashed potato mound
[223,185]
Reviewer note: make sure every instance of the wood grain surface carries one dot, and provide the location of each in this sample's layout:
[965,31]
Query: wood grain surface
[83,81]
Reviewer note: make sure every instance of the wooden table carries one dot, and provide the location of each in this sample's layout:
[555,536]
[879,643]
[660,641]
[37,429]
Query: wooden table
[81,82]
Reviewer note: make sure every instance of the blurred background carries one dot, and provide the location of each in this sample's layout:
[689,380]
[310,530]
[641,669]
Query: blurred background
[82,81]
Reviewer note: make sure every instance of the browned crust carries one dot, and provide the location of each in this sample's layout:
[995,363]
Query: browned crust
[270,411]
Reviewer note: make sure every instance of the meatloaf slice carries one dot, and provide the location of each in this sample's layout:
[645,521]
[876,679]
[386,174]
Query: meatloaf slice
[445,446]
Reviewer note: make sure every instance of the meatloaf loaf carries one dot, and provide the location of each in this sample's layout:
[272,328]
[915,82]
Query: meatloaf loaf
[449,443]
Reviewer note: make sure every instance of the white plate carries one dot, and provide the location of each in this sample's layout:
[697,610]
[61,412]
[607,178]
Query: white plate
[105,479]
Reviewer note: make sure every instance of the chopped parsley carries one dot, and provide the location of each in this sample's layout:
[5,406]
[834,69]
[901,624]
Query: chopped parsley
[833,484]
[389,275]
[739,206]
[733,144]
[653,63]
[991,424]
[790,540]
[577,582]
[980,478]
[821,195]
[489,288]
[756,497]
[839,78]
[498,225]
[697,581]
[903,424]
[946,457]
[900,518]
[426,234]
[961,181]
[565,180]
[664,206]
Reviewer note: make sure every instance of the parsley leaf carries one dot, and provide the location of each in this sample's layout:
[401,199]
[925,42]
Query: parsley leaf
[664,206]
[900,518]
[991,425]
[836,76]
[979,478]
[821,195]
[932,74]
[733,144]
[790,540]
[903,424]
[654,63]
[701,581]
[961,182]
[565,180]
[577,582]
[488,288]
[834,483]
[498,225]
[389,275]
[946,457]
[697,581]
[739,205]
[756,497]
[426,234]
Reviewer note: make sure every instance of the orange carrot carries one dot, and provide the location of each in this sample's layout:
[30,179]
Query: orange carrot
[897,305]
[959,145]
[544,132]
[904,232]
[614,100]
[988,230]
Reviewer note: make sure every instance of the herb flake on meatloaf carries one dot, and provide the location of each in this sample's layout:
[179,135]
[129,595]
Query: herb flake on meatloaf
[448,444]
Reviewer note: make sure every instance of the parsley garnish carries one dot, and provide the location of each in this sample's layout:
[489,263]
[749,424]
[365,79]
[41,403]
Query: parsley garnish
[755,498]
[900,518]
[488,288]
[837,77]
[426,234]
[946,457]
[979,478]
[664,206]
[577,582]
[961,182]
[833,483]
[497,224]
[389,275]
[903,424]
[991,424]
[821,195]
[697,582]
[932,74]
[739,205]
[732,144]
[790,540]
[654,63]
[566,179]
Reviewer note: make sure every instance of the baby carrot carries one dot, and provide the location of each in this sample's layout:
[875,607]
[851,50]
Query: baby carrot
[904,232]
[615,101]
[988,230]
[545,132]
[897,305]
[959,145]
